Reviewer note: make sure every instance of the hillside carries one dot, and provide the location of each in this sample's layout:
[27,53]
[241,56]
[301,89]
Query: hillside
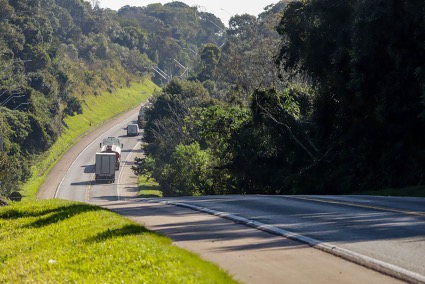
[55,56]
[309,96]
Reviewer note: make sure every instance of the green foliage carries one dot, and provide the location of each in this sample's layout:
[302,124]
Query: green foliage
[248,55]
[54,54]
[243,26]
[168,31]
[148,187]
[388,92]
[166,127]
[60,241]
[96,110]
[12,172]
[217,125]
[210,56]
[343,110]
[364,59]
[14,130]
[187,174]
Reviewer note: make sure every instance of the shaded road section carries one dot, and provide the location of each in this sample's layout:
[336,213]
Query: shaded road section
[250,255]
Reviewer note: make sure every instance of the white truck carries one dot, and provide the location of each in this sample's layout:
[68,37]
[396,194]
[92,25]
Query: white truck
[132,129]
[105,167]
[112,145]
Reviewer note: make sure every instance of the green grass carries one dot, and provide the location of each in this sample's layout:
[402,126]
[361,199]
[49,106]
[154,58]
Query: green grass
[148,187]
[414,191]
[96,110]
[57,241]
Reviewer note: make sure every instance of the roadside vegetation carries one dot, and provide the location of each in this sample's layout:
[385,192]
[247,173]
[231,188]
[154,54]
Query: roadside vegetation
[263,105]
[96,111]
[310,97]
[148,187]
[56,241]
[413,191]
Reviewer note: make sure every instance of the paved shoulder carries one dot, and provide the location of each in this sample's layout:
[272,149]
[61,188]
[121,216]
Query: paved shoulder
[251,256]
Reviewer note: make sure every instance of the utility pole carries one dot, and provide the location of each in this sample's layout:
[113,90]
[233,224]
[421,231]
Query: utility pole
[21,104]
[1,135]
[161,73]
[188,48]
[11,97]
[182,66]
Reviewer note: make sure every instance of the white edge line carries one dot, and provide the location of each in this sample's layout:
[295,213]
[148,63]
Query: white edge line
[95,140]
[125,162]
[368,262]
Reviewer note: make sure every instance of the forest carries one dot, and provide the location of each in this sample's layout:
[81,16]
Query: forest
[308,97]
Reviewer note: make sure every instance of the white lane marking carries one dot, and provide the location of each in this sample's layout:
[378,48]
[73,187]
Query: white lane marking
[369,262]
[125,162]
[361,205]
[82,151]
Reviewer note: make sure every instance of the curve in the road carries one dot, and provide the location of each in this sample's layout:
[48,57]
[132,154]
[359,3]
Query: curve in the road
[380,266]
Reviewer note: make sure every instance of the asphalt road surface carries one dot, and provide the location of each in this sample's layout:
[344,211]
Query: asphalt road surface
[238,237]
[381,232]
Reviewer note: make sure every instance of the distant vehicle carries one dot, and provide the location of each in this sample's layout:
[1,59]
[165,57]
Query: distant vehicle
[140,120]
[105,167]
[132,130]
[112,145]
[141,116]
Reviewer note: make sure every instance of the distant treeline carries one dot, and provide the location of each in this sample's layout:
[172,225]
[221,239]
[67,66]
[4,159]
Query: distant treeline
[315,96]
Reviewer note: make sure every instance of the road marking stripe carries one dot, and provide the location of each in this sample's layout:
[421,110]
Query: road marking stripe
[359,205]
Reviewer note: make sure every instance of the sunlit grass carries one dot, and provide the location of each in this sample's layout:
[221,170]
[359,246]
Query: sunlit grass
[57,241]
[148,187]
[96,110]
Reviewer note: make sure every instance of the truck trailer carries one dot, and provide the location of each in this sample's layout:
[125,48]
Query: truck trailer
[105,167]
[112,145]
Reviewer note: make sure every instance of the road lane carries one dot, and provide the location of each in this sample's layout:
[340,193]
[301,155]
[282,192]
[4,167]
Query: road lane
[50,186]
[390,236]
[78,183]
[251,256]
[252,259]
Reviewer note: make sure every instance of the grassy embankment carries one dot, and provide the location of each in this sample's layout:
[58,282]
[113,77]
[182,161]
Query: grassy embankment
[57,241]
[96,110]
[148,188]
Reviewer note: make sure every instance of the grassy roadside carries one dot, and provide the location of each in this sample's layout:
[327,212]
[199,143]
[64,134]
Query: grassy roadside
[57,241]
[96,110]
[148,187]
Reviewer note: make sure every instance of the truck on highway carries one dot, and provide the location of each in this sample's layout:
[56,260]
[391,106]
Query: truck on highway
[140,120]
[105,167]
[141,117]
[132,130]
[112,145]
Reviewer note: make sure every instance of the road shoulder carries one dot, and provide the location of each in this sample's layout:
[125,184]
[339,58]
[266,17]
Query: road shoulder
[250,255]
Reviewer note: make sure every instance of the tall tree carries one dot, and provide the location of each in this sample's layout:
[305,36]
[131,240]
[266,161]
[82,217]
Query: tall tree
[210,56]
[388,54]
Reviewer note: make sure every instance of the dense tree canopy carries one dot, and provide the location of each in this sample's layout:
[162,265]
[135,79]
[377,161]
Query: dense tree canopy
[311,96]
[53,53]
[343,110]
[364,58]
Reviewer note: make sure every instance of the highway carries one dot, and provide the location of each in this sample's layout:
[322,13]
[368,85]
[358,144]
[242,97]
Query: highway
[389,231]
[78,183]
[383,233]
